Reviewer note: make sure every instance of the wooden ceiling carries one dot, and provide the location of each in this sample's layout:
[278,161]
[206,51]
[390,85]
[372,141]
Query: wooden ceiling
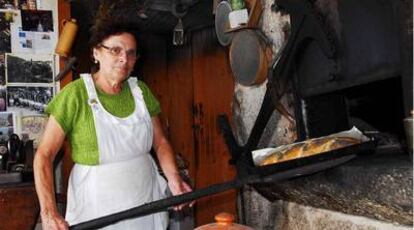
[160,14]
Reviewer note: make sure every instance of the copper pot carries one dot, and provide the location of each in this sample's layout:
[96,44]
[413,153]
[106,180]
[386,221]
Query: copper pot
[224,221]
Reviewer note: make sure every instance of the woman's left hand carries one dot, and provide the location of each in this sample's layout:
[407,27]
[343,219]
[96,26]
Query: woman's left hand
[178,186]
[168,164]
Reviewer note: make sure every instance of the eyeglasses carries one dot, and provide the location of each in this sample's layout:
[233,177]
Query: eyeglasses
[117,51]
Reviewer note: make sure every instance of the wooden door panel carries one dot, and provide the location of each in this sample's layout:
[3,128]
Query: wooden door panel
[180,115]
[213,92]
[155,74]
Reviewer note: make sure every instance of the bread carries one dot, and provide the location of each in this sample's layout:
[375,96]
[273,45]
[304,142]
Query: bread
[290,153]
[341,142]
[308,148]
[315,146]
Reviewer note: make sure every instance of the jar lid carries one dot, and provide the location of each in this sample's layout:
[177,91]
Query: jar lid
[224,221]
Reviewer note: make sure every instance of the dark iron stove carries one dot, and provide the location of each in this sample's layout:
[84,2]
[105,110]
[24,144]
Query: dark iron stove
[363,81]
[344,63]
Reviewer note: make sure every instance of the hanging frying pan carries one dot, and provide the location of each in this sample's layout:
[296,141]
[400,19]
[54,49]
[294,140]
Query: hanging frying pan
[249,57]
[222,23]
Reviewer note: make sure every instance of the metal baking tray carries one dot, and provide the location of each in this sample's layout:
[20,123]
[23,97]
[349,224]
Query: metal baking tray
[322,160]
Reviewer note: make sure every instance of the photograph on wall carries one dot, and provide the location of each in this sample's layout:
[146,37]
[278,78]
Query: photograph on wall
[26,4]
[5,20]
[25,68]
[28,100]
[33,126]
[2,69]
[7,4]
[39,20]
[3,98]
[7,123]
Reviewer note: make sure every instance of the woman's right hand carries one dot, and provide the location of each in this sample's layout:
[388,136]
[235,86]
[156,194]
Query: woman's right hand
[53,221]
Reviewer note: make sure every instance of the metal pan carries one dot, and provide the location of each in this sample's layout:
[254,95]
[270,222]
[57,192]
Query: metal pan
[249,57]
[319,159]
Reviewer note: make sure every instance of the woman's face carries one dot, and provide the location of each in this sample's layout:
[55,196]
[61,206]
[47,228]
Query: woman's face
[116,56]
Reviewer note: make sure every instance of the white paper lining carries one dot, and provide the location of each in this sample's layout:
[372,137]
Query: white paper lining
[260,154]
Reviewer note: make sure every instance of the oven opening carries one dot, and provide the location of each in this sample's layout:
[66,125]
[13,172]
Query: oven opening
[377,108]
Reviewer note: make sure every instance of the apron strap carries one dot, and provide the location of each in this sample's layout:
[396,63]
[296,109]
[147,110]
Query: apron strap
[133,85]
[138,97]
[90,89]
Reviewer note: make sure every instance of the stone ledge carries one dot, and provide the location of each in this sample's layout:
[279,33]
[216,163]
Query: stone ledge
[378,186]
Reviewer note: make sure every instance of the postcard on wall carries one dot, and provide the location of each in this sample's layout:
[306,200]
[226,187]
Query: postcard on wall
[33,126]
[32,42]
[38,20]
[28,68]
[28,100]
[7,124]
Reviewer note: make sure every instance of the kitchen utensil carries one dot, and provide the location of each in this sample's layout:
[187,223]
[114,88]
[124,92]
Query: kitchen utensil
[249,57]
[67,37]
[222,23]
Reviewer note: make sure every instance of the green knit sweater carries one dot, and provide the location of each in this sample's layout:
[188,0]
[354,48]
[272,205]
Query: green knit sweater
[74,115]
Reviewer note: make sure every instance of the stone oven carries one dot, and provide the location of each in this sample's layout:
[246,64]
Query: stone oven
[342,64]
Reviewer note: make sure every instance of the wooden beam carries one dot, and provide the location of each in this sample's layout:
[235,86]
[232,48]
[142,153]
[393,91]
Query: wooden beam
[64,13]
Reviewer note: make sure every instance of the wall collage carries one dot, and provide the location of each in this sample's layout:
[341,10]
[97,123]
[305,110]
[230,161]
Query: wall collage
[28,35]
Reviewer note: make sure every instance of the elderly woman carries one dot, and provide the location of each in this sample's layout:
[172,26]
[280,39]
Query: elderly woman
[111,121]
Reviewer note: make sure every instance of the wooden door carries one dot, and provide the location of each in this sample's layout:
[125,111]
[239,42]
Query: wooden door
[213,91]
[194,86]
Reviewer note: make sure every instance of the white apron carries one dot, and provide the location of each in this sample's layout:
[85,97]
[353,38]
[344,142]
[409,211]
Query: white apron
[126,176]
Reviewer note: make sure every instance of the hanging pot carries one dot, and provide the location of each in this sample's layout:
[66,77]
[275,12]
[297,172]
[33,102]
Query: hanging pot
[250,54]
[224,221]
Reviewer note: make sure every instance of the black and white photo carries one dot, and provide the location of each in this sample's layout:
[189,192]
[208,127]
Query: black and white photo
[39,20]
[29,68]
[27,99]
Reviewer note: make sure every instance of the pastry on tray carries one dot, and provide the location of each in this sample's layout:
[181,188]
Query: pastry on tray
[308,148]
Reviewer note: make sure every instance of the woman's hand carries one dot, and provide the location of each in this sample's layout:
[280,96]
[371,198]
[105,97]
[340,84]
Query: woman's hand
[178,186]
[52,140]
[53,221]
[166,158]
